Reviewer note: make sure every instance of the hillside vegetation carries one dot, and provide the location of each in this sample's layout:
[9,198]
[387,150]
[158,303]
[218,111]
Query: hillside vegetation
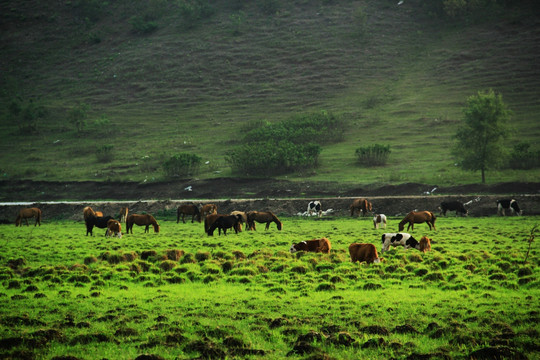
[126,85]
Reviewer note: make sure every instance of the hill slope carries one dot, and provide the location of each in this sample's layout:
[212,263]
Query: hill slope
[399,74]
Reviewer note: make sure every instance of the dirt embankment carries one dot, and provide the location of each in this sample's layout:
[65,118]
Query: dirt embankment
[280,197]
[234,188]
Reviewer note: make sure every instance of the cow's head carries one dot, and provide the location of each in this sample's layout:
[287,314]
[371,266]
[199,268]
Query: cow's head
[298,247]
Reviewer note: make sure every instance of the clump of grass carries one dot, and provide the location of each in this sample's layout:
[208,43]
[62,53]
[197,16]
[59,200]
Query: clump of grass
[202,256]
[167,265]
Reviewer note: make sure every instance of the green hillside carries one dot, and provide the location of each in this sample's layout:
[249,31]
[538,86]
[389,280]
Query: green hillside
[162,78]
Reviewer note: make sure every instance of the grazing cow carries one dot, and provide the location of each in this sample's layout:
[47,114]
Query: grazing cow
[314,207]
[188,209]
[27,214]
[456,206]
[361,205]
[224,223]
[142,220]
[363,252]
[124,214]
[316,245]
[405,240]
[419,217]
[508,204]
[379,219]
[97,221]
[262,217]
[208,209]
[114,228]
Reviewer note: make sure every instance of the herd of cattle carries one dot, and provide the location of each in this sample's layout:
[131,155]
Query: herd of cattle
[236,219]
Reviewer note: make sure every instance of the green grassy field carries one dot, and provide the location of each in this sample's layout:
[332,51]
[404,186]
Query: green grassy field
[400,77]
[182,294]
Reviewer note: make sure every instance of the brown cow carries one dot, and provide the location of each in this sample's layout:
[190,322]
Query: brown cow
[361,205]
[124,214]
[363,252]
[208,209]
[114,228]
[27,213]
[419,217]
[316,245]
[188,209]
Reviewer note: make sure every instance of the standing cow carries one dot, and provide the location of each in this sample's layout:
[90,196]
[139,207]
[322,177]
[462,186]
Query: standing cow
[456,206]
[379,220]
[314,207]
[508,204]
[361,205]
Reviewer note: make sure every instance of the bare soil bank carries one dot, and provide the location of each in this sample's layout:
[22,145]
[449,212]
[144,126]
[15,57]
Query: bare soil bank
[234,188]
[280,197]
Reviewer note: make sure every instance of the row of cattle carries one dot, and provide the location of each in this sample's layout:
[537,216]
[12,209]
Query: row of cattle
[358,206]
[364,207]
[365,252]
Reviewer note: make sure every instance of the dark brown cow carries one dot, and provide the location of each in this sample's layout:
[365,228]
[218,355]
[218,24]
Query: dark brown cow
[224,223]
[188,209]
[316,245]
[361,205]
[363,252]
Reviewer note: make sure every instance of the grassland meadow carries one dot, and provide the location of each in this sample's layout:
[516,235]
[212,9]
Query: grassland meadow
[180,294]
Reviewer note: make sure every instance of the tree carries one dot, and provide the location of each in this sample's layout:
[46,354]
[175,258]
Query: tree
[479,138]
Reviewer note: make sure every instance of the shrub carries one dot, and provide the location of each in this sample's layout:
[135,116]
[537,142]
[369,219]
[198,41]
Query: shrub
[374,155]
[27,115]
[183,164]
[143,24]
[104,153]
[522,158]
[273,157]
[194,11]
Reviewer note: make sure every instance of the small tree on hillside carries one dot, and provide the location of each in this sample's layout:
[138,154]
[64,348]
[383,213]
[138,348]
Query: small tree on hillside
[479,138]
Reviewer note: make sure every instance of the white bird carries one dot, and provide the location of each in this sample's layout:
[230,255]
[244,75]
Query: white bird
[189,188]
[400,2]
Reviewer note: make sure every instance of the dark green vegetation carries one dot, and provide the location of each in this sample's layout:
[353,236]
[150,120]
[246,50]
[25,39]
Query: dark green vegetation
[182,294]
[158,78]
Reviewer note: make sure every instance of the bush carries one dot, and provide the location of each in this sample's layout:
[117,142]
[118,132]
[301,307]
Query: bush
[273,158]
[374,155]
[142,24]
[182,165]
[522,158]
[104,153]
[193,11]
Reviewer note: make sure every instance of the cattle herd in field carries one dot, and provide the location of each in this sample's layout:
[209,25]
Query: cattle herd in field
[237,219]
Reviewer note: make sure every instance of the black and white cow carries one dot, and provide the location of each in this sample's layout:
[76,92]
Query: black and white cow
[456,206]
[508,204]
[404,239]
[314,207]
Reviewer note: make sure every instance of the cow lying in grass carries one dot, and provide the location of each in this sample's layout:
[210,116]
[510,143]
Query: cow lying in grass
[363,252]
[405,240]
[224,223]
[316,245]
